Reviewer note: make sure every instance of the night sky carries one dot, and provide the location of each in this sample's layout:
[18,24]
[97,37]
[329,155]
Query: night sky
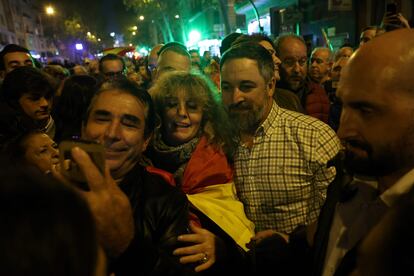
[101,16]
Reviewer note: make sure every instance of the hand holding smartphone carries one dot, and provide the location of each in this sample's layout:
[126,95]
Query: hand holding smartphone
[68,166]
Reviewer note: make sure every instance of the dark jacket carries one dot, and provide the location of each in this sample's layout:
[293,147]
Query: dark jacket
[313,98]
[160,214]
[288,100]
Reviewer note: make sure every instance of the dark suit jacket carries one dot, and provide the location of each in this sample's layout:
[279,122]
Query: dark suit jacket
[341,197]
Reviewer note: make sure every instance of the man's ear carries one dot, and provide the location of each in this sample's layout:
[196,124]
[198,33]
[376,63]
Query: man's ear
[271,85]
[3,74]
[146,142]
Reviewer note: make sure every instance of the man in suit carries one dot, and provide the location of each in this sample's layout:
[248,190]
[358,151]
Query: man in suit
[377,129]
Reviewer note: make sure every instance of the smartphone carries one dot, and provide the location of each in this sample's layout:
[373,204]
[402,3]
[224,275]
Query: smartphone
[68,166]
[391,8]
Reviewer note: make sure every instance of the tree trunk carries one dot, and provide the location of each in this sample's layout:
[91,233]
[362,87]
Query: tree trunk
[166,23]
[224,15]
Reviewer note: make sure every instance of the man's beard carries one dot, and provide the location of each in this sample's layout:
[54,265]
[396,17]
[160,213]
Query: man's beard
[246,117]
[386,159]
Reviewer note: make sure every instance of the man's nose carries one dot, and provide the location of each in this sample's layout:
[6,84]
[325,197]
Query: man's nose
[297,67]
[348,126]
[238,96]
[55,153]
[43,102]
[113,131]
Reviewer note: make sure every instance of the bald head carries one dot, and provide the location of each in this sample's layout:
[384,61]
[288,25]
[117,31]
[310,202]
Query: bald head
[389,59]
[377,120]
[292,52]
[320,64]
[173,59]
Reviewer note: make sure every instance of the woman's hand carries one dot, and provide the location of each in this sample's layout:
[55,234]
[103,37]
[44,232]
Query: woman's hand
[203,251]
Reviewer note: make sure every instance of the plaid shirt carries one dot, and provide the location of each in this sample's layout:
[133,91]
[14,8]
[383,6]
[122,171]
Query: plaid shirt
[282,179]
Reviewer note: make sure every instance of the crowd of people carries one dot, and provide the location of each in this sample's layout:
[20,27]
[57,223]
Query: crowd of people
[265,159]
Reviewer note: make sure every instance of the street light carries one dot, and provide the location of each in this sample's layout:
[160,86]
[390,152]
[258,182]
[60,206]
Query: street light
[141,17]
[135,28]
[134,33]
[49,10]
[112,34]
[177,16]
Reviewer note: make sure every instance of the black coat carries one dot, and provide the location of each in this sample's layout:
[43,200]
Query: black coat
[160,215]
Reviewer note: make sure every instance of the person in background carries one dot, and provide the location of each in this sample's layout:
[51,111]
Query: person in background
[345,51]
[206,59]
[195,145]
[367,34]
[330,87]
[33,149]
[144,72]
[173,56]
[292,51]
[70,107]
[26,98]
[153,58]
[13,56]
[320,65]
[195,60]
[112,66]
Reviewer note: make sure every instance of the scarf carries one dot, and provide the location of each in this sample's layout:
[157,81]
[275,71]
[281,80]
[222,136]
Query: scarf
[173,159]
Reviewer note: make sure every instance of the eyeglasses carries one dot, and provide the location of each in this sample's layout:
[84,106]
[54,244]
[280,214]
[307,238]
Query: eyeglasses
[290,62]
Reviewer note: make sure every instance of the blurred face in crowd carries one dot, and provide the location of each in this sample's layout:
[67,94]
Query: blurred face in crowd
[93,67]
[207,55]
[80,70]
[344,52]
[170,61]
[195,57]
[36,106]
[366,36]
[182,118]
[17,59]
[276,60]
[41,152]
[294,63]
[245,92]
[153,57]
[112,68]
[117,120]
[142,70]
[319,65]
[336,71]
[377,122]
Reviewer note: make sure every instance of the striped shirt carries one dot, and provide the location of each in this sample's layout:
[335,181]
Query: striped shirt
[282,179]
